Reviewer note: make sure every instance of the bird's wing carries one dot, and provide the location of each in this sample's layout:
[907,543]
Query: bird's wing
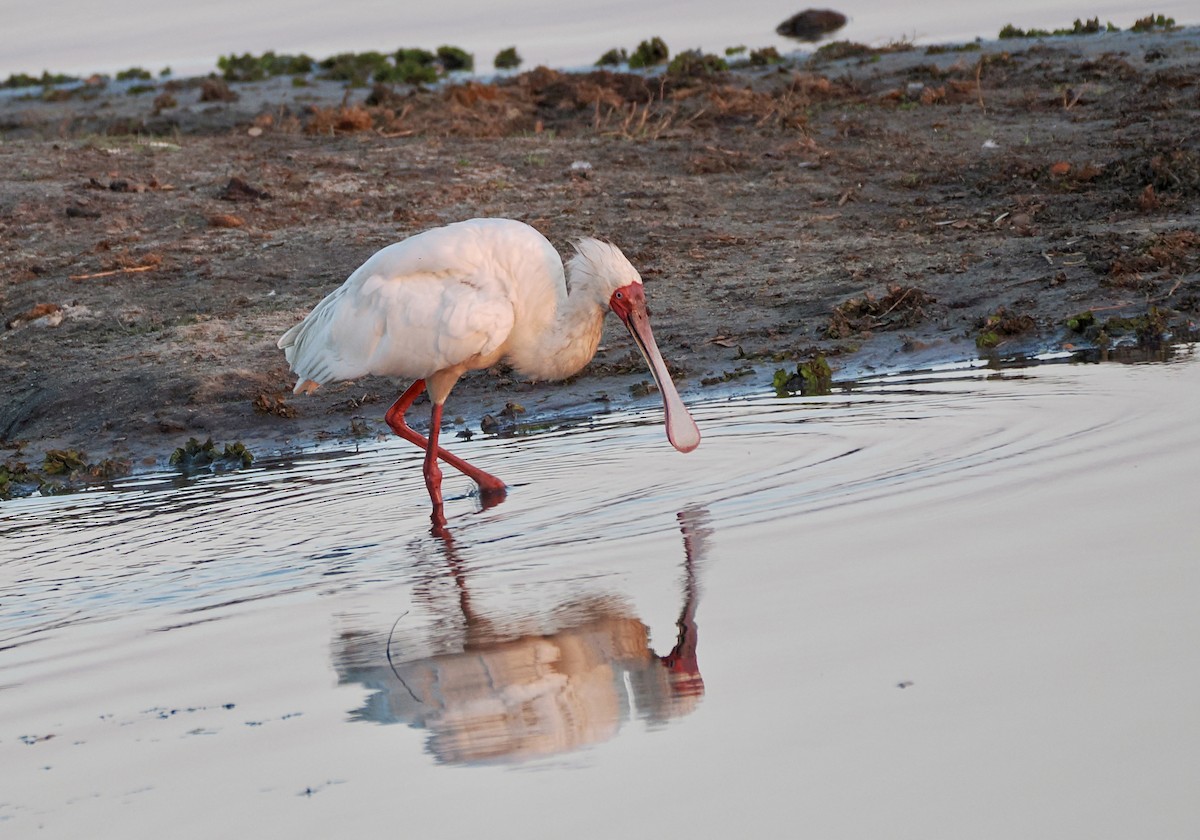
[411,325]
[436,321]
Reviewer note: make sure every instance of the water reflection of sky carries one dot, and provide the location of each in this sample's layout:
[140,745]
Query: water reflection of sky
[68,36]
[934,606]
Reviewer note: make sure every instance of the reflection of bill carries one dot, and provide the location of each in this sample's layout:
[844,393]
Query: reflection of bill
[540,694]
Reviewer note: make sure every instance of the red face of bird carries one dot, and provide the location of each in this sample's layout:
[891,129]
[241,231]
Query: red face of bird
[629,302]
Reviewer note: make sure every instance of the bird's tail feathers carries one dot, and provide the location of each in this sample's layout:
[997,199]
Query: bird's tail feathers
[306,349]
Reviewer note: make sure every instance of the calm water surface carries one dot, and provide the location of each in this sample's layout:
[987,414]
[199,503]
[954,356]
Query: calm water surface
[949,604]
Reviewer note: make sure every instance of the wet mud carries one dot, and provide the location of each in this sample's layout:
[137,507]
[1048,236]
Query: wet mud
[884,210]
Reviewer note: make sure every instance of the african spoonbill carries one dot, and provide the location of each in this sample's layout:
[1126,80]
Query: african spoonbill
[464,297]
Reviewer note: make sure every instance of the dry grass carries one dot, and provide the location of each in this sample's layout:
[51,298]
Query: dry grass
[902,306]
[621,105]
[343,120]
[1164,255]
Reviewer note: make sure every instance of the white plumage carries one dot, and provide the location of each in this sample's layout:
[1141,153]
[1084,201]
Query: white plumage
[463,297]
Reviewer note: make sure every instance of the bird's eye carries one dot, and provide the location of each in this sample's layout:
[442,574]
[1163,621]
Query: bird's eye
[620,296]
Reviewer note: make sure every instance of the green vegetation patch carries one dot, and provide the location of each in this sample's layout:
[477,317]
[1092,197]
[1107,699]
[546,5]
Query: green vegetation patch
[252,68]
[356,69]
[507,59]
[813,378]
[408,65]
[47,79]
[649,53]
[1151,329]
[764,57]
[1000,325]
[63,462]
[612,58]
[195,456]
[1081,322]
[62,471]
[695,63]
[413,66]
[454,58]
[16,479]
[1153,22]
[134,74]
[1079,27]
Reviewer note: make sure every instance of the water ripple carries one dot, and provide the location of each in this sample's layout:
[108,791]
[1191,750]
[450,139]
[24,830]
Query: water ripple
[341,518]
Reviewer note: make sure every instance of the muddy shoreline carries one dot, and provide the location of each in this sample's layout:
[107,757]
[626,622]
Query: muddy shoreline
[888,210]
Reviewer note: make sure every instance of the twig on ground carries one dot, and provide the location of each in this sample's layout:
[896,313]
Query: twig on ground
[111,272]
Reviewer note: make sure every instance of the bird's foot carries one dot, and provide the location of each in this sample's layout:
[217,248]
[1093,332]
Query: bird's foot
[490,496]
[438,518]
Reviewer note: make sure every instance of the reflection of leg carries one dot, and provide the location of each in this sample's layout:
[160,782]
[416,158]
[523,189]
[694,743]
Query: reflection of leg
[395,419]
[458,571]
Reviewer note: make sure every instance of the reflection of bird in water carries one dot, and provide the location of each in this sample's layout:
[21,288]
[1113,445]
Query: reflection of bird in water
[490,696]
[681,662]
[464,297]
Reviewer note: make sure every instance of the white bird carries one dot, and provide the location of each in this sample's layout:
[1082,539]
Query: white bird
[464,297]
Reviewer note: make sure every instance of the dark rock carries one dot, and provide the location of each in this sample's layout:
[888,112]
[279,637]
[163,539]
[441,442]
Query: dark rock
[811,24]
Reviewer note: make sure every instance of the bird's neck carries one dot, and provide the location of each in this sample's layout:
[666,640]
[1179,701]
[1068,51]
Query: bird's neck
[567,342]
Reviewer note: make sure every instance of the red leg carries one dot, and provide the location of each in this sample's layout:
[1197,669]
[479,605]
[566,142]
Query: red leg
[433,473]
[395,419]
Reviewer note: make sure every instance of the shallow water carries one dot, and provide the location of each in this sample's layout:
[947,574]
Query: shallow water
[947,604]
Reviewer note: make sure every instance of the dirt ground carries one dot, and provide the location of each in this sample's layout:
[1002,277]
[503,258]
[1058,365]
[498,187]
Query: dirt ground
[889,210]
